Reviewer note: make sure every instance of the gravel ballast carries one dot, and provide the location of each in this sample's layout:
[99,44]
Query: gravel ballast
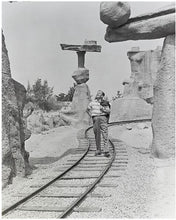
[145,186]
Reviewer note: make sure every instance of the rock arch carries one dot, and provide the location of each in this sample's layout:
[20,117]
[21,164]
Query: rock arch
[157,24]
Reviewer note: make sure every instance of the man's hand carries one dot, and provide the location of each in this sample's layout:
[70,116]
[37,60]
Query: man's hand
[101,107]
[105,109]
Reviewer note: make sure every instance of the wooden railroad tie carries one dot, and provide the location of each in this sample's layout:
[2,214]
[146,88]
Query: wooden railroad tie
[57,209]
[65,195]
[91,163]
[62,185]
[107,185]
[90,166]
[79,177]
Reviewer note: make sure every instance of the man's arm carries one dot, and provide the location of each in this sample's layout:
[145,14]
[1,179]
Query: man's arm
[105,109]
[105,106]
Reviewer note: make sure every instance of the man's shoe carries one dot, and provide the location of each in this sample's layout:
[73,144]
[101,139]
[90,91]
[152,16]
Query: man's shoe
[97,153]
[107,154]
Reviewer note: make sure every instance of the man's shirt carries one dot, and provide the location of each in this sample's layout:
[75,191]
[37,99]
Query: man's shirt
[95,108]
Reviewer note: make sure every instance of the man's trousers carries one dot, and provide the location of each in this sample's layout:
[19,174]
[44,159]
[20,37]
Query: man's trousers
[100,125]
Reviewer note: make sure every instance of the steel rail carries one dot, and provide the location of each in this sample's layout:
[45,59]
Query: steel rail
[15,205]
[91,187]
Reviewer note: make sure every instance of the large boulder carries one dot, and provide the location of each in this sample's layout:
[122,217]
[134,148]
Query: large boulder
[130,108]
[40,121]
[14,156]
[36,122]
[157,24]
[114,14]
[81,75]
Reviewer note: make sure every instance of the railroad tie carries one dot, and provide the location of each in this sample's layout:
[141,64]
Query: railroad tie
[117,169]
[87,209]
[122,162]
[42,208]
[58,195]
[79,177]
[89,169]
[73,195]
[57,209]
[48,195]
[70,185]
[90,166]
[61,185]
[90,163]
[111,176]
[107,185]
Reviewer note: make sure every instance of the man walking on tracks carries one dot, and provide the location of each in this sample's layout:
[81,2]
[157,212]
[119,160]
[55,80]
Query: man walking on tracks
[99,109]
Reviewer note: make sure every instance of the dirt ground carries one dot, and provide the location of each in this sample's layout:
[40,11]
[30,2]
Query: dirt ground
[148,186]
[52,143]
[159,174]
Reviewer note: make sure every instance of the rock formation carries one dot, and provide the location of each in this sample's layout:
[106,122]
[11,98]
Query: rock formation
[27,111]
[14,155]
[81,97]
[163,120]
[114,14]
[158,24]
[130,108]
[41,121]
[144,67]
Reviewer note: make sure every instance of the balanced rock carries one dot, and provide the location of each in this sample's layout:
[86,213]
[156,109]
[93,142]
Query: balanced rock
[81,75]
[157,24]
[77,115]
[114,14]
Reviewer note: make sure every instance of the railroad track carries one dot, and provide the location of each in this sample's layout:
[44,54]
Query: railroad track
[77,176]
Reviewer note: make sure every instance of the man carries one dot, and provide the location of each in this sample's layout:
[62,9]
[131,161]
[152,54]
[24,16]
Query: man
[99,109]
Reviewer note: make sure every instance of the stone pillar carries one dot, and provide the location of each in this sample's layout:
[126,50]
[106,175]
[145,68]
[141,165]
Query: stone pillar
[81,97]
[163,120]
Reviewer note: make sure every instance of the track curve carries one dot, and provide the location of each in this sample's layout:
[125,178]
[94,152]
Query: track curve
[80,162]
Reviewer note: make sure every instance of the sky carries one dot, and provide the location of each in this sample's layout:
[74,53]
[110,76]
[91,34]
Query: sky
[33,33]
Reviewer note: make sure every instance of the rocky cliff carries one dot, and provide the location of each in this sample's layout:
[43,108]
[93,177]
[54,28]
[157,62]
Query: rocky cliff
[14,156]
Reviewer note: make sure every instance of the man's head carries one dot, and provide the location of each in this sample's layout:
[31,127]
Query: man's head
[100,94]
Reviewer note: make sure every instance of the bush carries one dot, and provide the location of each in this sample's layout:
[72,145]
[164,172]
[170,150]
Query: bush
[52,104]
[41,95]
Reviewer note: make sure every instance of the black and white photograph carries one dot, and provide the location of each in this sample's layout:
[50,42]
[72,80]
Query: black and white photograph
[88,109]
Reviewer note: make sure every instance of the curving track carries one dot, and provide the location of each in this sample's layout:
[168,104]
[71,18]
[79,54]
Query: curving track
[78,169]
